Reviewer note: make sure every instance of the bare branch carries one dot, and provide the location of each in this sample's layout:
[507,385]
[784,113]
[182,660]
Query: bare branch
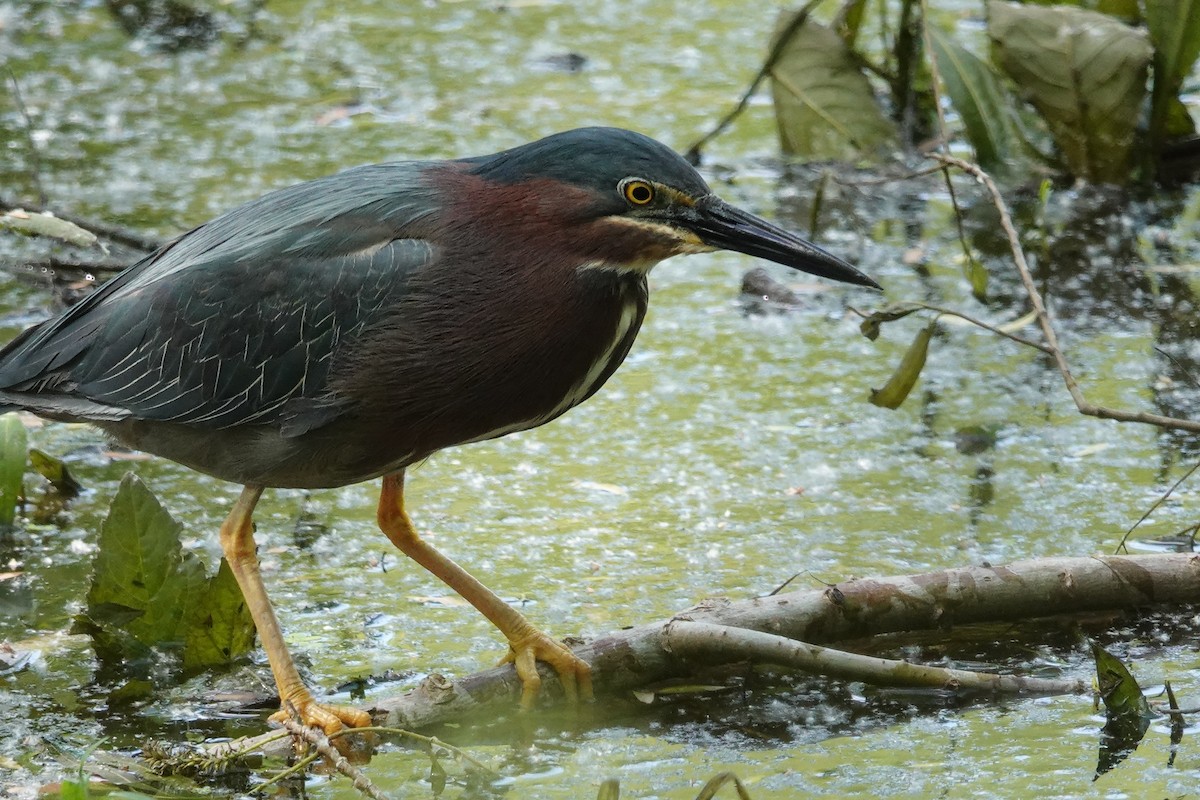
[1046,322]
[721,644]
[1017,592]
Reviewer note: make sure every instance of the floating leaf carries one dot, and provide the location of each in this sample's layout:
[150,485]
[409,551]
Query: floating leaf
[981,103]
[824,105]
[1086,75]
[609,790]
[905,377]
[221,630]
[48,225]
[145,586]
[13,444]
[54,470]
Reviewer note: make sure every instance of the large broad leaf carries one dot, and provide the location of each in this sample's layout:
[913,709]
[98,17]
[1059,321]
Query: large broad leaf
[1086,75]
[148,592]
[145,586]
[824,105]
[1174,27]
[221,630]
[982,105]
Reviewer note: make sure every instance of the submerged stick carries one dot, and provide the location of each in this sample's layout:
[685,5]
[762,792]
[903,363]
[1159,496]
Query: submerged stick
[1016,592]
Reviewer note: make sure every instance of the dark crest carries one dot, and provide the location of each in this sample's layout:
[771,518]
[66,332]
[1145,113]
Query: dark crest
[594,158]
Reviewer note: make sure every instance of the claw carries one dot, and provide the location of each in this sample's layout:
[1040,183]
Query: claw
[535,646]
[329,719]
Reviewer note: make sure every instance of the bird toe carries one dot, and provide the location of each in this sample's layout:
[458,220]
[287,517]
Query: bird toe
[574,673]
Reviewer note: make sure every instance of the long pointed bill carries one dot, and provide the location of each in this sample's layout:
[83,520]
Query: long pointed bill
[729,228]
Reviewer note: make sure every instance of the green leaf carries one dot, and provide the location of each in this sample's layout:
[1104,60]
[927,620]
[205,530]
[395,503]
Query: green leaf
[13,449]
[982,104]
[1045,190]
[54,470]
[221,631]
[824,105]
[74,789]
[905,377]
[1174,27]
[1124,704]
[1084,72]
[609,790]
[977,276]
[850,19]
[1179,122]
[1127,714]
[142,571]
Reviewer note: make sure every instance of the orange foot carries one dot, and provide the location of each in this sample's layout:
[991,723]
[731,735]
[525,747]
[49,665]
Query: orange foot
[534,646]
[327,718]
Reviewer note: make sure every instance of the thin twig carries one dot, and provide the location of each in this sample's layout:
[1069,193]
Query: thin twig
[1046,322]
[1178,365]
[295,769]
[320,742]
[785,36]
[920,173]
[1157,503]
[1174,712]
[432,742]
[943,134]
[723,644]
[35,158]
[967,318]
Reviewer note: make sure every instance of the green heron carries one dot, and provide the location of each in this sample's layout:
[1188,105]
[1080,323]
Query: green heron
[342,329]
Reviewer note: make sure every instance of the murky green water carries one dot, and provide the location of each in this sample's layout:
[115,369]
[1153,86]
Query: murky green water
[729,453]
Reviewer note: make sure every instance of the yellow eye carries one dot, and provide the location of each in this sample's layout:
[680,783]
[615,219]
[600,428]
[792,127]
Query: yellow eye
[638,192]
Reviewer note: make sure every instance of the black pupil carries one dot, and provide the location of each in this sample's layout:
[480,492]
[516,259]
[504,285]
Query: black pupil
[640,194]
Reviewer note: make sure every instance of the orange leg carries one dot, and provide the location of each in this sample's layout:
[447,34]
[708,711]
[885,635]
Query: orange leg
[527,645]
[237,540]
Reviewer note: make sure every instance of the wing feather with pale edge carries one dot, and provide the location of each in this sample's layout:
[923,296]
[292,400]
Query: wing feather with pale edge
[239,321]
